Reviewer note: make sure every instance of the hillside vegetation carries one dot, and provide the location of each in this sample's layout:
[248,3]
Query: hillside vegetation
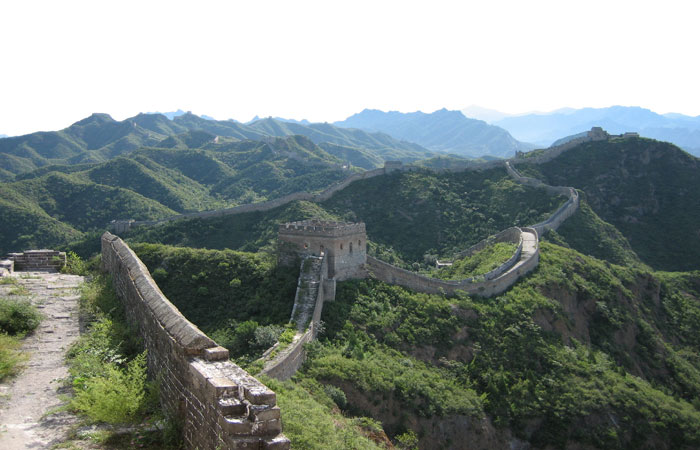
[58,204]
[409,215]
[581,352]
[648,190]
[99,138]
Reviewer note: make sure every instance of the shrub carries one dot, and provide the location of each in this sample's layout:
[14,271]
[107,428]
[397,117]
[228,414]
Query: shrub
[266,337]
[75,265]
[337,395]
[118,396]
[17,317]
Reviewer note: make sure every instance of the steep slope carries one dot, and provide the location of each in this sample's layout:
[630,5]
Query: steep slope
[544,129]
[443,130]
[580,354]
[168,187]
[53,209]
[419,213]
[648,190]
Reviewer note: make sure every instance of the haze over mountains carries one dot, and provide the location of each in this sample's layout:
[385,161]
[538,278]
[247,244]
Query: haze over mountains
[442,131]
[543,129]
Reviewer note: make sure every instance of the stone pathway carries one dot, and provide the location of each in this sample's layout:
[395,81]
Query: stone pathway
[27,402]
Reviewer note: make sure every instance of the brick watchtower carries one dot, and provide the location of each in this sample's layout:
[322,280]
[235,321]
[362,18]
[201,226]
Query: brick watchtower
[343,243]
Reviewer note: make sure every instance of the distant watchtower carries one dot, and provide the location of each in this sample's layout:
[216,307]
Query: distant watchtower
[343,243]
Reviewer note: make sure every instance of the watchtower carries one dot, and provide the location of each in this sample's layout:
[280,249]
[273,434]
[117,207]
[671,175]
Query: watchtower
[343,243]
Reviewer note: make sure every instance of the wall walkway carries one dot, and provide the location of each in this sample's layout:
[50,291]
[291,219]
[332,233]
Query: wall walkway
[313,289]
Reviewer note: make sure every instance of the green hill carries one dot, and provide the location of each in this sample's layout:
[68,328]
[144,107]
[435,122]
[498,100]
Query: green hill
[648,190]
[579,354]
[55,208]
[99,138]
[408,214]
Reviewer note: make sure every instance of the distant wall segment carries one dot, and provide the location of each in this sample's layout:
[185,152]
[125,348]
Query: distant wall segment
[524,259]
[218,404]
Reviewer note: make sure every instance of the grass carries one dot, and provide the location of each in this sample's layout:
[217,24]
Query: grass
[19,290]
[17,318]
[11,359]
[479,263]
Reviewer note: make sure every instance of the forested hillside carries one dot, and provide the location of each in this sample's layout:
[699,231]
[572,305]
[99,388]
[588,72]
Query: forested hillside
[57,204]
[409,215]
[648,190]
[99,138]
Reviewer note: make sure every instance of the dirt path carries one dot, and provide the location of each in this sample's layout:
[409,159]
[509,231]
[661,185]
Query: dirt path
[26,401]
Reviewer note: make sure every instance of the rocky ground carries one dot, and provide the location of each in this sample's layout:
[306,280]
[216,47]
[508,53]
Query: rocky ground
[30,415]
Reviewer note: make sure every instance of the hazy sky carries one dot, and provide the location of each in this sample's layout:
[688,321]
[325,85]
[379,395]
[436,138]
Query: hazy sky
[325,60]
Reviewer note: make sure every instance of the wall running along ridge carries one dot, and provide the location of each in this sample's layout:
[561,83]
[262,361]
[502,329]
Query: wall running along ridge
[501,278]
[218,404]
[560,215]
[121,226]
[491,283]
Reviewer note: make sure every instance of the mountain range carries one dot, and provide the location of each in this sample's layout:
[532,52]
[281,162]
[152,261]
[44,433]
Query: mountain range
[440,131]
[543,129]
[99,138]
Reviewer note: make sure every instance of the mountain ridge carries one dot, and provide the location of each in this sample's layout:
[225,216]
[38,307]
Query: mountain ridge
[442,130]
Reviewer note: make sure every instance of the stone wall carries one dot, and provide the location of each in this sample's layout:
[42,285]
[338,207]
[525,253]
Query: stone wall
[38,260]
[595,134]
[285,364]
[218,404]
[492,283]
[560,215]
[120,226]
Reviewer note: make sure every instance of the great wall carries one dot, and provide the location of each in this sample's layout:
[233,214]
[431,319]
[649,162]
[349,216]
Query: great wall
[220,405]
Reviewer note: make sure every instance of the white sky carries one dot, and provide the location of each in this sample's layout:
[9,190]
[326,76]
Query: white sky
[325,60]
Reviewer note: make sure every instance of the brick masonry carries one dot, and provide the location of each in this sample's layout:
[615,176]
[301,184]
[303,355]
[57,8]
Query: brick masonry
[38,260]
[217,404]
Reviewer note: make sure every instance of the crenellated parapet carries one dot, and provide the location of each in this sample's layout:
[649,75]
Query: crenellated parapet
[323,228]
[343,243]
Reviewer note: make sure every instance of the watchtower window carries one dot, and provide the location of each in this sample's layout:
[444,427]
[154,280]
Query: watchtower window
[359,243]
[341,246]
[350,247]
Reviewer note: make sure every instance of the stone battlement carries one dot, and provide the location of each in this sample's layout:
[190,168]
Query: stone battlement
[38,260]
[321,228]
